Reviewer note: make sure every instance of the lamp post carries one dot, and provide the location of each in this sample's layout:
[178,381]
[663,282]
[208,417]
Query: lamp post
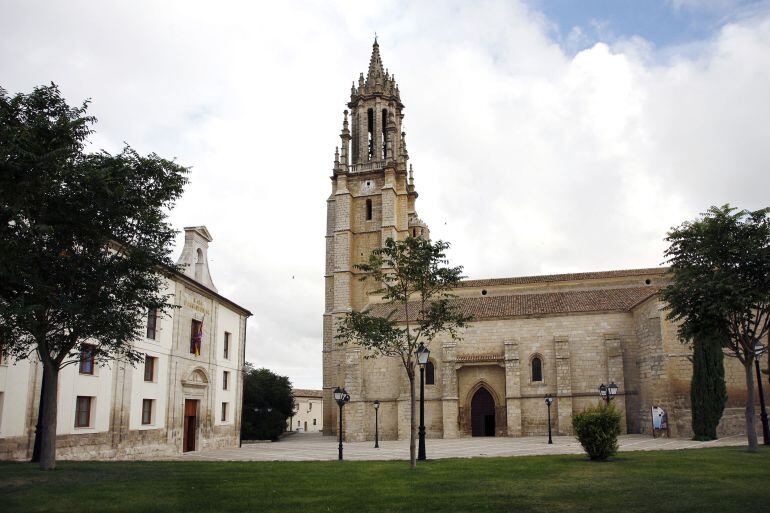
[758,351]
[549,401]
[341,396]
[607,392]
[422,354]
[376,425]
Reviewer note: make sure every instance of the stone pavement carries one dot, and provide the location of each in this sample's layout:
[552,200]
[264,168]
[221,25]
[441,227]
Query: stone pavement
[313,446]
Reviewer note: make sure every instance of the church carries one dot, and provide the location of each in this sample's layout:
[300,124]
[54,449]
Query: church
[561,335]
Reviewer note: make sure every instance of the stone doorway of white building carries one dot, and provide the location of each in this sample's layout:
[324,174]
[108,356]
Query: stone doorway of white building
[482,413]
[190,424]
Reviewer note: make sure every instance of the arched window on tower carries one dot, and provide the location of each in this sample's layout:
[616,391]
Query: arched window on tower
[199,265]
[368,210]
[370,130]
[383,138]
[430,373]
[537,369]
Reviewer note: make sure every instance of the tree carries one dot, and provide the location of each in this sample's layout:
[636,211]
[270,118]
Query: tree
[720,265]
[267,403]
[708,393]
[414,279]
[84,242]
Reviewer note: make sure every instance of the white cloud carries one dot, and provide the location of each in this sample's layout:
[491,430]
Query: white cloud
[529,159]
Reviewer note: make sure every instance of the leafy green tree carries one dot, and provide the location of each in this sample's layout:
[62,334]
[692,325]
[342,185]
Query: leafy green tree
[84,241]
[720,265]
[414,279]
[267,403]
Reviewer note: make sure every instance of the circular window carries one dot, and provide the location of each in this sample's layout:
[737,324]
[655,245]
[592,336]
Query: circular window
[484,292]
[647,281]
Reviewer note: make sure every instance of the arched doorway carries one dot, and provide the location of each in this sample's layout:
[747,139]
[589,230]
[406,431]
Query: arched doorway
[482,413]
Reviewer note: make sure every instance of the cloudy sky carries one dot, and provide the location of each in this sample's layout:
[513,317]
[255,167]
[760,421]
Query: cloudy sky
[546,136]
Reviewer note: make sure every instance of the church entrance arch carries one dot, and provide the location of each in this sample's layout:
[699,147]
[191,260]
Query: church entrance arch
[482,413]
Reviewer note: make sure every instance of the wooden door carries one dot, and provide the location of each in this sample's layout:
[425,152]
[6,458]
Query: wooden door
[190,424]
[482,413]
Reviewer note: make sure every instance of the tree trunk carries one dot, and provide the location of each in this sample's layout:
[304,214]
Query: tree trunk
[48,398]
[751,430]
[39,424]
[412,424]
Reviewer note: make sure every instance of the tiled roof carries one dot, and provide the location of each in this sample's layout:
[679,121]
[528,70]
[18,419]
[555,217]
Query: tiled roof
[521,280]
[304,392]
[479,357]
[518,305]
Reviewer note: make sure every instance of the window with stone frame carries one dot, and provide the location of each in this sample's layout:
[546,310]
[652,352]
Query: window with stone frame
[226,347]
[149,368]
[224,412]
[87,355]
[83,411]
[196,337]
[537,368]
[152,323]
[225,380]
[368,209]
[430,373]
[147,407]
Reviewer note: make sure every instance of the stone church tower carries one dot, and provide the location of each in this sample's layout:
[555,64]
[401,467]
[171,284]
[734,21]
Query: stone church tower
[372,199]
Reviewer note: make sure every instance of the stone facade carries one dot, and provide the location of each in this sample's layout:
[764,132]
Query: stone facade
[562,335]
[206,388]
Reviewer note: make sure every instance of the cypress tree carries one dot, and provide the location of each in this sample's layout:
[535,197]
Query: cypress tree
[708,392]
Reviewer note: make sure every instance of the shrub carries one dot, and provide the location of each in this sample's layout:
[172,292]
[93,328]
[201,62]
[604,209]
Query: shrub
[597,429]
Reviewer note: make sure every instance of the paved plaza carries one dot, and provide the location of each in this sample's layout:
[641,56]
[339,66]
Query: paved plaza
[313,446]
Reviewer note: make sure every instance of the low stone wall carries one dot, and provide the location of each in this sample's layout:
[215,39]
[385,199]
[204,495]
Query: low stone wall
[137,444]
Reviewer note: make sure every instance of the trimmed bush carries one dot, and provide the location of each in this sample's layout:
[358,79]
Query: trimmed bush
[597,429]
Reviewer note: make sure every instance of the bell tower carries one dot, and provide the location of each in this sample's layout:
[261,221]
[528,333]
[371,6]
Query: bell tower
[372,199]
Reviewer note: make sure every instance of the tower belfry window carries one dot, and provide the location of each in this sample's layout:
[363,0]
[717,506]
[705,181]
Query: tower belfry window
[383,138]
[370,130]
[368,210]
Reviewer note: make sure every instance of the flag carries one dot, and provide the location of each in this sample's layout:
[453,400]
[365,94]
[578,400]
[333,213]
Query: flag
[197,338]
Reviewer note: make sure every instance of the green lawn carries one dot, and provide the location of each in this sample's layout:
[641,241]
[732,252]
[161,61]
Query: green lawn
[720,479]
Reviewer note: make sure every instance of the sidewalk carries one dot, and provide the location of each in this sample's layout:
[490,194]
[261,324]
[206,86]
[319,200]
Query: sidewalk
[313,446]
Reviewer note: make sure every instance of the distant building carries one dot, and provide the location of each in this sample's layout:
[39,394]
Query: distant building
[308,408]
[185,396]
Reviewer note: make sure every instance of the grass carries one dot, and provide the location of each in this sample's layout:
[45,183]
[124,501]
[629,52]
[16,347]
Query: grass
[699,480]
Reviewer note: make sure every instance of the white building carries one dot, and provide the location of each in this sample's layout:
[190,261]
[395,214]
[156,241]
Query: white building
[187,395]
[308,411]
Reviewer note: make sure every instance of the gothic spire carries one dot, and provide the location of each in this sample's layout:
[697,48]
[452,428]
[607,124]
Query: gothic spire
[375,64]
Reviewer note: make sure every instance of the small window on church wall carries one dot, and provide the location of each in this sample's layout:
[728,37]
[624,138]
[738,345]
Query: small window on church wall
[370,130]
[537,369]
[430,373]
[368,210]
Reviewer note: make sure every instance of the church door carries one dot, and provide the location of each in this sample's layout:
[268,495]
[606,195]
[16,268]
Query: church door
[190,424]
[482,413]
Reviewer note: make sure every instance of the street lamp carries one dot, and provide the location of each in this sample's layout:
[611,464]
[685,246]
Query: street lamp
[608,391]
[422,354]
[549,401]
[759,349]
[341,396]
[376,425]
